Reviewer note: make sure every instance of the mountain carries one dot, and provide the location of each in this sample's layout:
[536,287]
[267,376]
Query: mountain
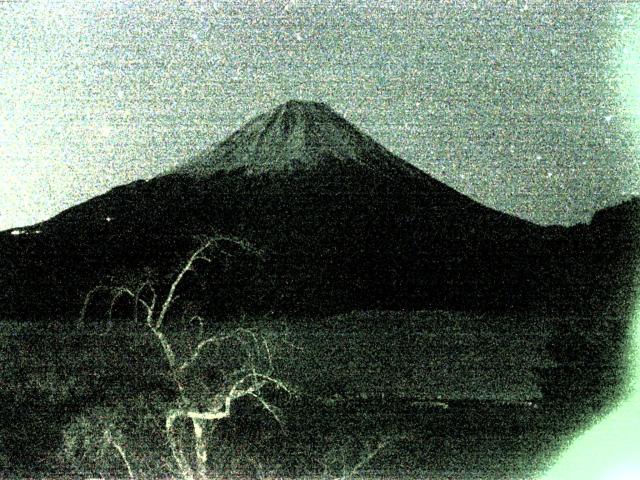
[343,223]
[297,136]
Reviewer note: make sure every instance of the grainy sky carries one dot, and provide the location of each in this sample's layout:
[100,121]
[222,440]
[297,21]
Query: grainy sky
[529,107]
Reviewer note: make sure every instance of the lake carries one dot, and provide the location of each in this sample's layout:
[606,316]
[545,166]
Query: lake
[455,395]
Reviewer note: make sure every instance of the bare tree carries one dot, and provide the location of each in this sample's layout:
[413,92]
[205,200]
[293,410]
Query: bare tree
[197,403]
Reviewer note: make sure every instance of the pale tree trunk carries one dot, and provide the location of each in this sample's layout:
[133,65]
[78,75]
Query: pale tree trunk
[178,455]
[201,448]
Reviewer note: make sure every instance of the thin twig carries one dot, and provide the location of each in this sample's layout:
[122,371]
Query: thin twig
[110,440]
[364,461]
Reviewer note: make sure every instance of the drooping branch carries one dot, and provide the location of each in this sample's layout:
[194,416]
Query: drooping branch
[117,293]
[195,354]
[88,297]
[170,298]
[272,409]
[139,300]
[219,340]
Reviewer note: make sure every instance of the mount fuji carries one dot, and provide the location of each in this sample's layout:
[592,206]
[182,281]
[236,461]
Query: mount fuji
[343,223]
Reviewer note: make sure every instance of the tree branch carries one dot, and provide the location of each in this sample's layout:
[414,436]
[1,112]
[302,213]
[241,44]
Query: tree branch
[138,299]
[117,293]
[215,339]
[109,439]
[88,297]
[364,461]
[166,348]
[198,350]
[272,409]
[188,266]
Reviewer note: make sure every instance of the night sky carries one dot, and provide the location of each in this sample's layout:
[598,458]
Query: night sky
[529,107]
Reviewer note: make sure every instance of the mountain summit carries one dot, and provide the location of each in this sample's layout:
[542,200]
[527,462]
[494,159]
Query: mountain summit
[296,135]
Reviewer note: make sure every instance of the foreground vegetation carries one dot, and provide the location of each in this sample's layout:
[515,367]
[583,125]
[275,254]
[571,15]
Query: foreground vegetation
[64,387]
[160,423]
[154,390]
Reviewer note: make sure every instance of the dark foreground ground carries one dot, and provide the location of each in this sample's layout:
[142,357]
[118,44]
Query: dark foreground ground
[434,395]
